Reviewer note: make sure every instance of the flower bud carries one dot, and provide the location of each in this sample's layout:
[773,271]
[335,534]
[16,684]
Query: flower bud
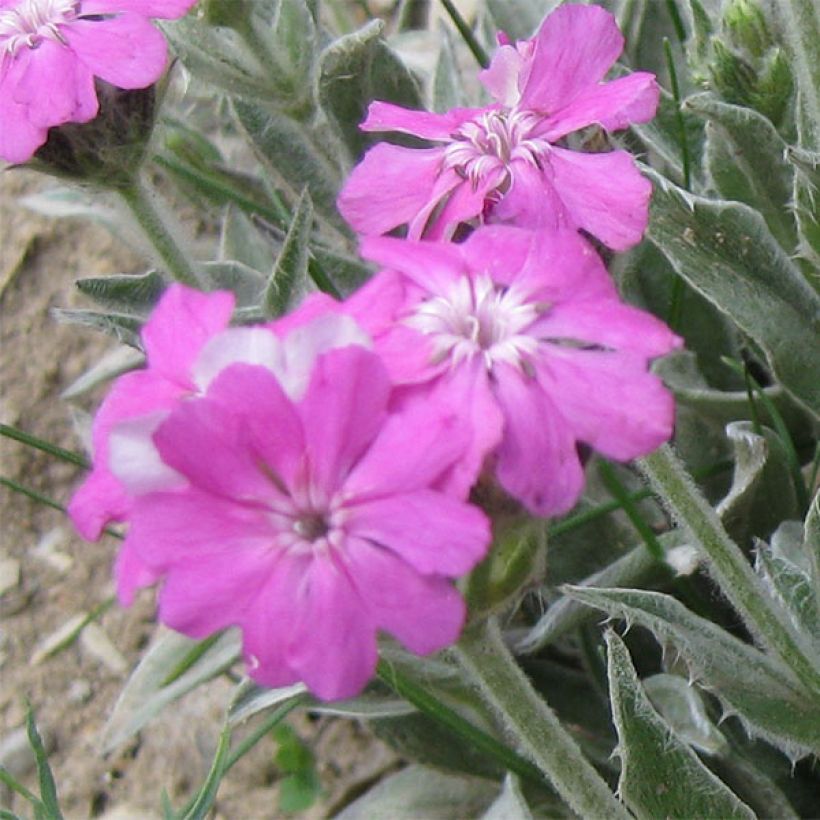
[732,76]
[774,88]
[746,28]
[107,150]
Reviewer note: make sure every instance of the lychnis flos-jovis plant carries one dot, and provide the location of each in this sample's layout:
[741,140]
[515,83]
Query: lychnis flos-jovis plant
[271,486]
[51,51]
[505,162]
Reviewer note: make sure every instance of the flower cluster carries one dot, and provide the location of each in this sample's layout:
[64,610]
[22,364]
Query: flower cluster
[51,51]
[309,480]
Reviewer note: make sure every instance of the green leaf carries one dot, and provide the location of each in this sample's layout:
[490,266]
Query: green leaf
[447,86]
[241,241]
[132,295]
[662,136]
[785,568]
[145,693]
[290,271]
[218,56]
[48,789]
[726,253]
[799,24]
[247,284]
[660,775]
[566,613]
[347,272]
[762,493]
[357,69]
[510,804]
[807,214]
[125,329]
[205,797]
[681,706]
[519,18]
[745,160]
[764,697]
[417,791]
[290,157]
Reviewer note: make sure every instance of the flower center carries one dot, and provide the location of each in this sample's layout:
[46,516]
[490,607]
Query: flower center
[492,141]
[32,21]
[478,317]
[311,526]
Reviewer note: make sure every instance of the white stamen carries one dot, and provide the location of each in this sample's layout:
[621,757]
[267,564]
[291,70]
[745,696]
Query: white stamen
[478,318]
[32,21]
[492,141]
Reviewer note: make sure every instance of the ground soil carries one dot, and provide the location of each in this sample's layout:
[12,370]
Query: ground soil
[49,575]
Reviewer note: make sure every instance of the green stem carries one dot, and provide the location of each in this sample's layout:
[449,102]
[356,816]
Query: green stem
[141,201]
[467,34]
[620,494]
[727,563]
[47,447]
[526,717]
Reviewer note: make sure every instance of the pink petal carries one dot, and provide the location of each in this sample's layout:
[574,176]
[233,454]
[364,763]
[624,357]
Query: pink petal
[467,386]
[530,202]
[537,460]
[384,116]
[126,50]
[333,644]
[389,187]
[502,76]
[310,308]
[232,468]
[180,325]
[342,412]
[53,84]
[466,202]
[432,532]
[19,138]
[425,613]
[162,9]
[611,404]
[257,345]
[102,497]
[213,591]
[604,194]
[608,323]
[131,574]
[613,106]
[431,265]
[177,528]
[413,449]
[272,430]
[574,48]
[268,626]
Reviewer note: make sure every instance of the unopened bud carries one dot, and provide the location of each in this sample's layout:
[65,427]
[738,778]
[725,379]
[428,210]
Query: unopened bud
[732,76]
[774,88]
[746,27]
[228,13]
[107,150]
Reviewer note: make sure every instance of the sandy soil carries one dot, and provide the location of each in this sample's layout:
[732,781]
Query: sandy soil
[48,575]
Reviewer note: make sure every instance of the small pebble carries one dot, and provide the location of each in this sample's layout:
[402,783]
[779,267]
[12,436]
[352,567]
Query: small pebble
[79,691]
[47,550]
[15,751]
[94,639]
[53,642]
[9,574]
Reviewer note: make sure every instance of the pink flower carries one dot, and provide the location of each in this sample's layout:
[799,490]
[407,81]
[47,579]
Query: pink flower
[524,332]
[187,343]
[308,515]
[51,51]
[503,162]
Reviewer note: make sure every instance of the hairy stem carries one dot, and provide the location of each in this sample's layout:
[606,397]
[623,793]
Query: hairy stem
[727,563]
[142,203]
[529,721]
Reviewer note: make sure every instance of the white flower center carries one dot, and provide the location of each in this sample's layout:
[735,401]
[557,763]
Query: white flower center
[32,21]
[477,317]
[494,140]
